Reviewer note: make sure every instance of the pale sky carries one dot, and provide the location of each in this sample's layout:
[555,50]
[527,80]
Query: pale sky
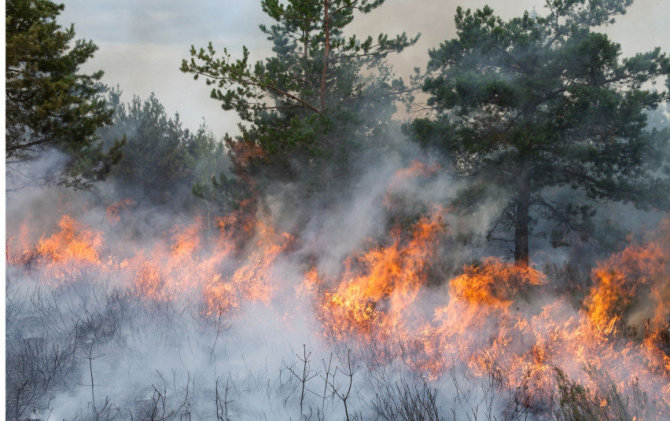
[142,42]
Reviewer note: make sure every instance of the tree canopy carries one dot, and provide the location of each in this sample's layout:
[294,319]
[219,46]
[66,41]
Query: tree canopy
[162,160]
[541,102]
[315,100]
[49,102]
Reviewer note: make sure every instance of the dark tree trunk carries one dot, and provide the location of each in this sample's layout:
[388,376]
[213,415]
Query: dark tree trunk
[326,52]
[522,215]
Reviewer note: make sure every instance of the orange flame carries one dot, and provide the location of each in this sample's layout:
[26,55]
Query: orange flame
[627,282]
[385,286]
[114,210]
[73,243]
[493,317]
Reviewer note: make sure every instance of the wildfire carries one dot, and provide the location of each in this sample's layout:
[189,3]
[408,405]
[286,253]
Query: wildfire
[632,286]
[493,284]
[491,323]
[251,281]
[417,169]
[73,243]
[188,262]
[379,286]
[486,318]
[114,210]
[631,295]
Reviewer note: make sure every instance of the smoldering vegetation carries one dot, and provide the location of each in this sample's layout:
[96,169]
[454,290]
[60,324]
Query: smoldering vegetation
[366,309]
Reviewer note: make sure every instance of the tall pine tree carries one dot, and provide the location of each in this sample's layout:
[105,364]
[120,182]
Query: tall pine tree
[50,103]
[544,102]
[322,94]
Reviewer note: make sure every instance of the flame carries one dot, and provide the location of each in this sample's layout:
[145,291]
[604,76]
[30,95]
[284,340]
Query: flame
[631,296]
[73,243]
[417,169]
[380,285]
[493,284]
[191,262]
[492,320]
[19,249]
[114,210]
[251,281]
[492,317]
[630,283]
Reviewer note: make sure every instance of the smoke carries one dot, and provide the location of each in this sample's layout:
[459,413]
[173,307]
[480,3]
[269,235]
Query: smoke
[39,171]
[381,304]
[156,322]
[81,307]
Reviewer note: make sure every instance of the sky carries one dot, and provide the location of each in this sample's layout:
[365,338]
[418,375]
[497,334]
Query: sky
[142,42]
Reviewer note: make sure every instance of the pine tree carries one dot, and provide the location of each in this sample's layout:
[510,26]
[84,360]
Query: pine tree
[321,95]
[544,102]
[162,160]
[49,102]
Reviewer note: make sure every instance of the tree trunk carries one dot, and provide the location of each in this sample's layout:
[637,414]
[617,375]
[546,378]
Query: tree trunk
[326,53]
[521,255]
[305,52]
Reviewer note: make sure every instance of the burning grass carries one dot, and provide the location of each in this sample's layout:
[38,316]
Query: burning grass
[494,322]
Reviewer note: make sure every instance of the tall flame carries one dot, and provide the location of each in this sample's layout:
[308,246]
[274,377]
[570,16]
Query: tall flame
[491,317]
[378,287]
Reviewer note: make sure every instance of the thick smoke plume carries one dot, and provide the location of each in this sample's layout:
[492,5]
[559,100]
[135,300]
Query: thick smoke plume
[382,306]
